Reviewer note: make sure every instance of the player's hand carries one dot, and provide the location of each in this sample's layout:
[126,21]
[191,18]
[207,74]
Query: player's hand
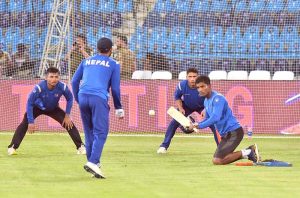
[120,113]
[31,128]
[67,122]
[182,110]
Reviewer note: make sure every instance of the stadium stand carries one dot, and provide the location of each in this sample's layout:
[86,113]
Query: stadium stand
[232,35]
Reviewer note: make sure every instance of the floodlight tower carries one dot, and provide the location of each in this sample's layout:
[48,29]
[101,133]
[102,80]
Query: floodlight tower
[58,29]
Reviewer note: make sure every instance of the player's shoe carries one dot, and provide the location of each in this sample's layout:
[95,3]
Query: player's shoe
[81,150]
[11,151]
[94,170]
[161,150]
[254,154]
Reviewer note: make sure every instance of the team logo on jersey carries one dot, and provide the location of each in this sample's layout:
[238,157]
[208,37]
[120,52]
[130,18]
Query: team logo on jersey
[56,95]
[217,100]
[34,91]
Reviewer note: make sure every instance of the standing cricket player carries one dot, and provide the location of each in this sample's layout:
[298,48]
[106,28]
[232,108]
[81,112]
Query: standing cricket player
[91,83]
[188,101]
[219,114]
[43,100]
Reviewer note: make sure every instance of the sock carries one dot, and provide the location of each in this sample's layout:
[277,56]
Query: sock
[245,153]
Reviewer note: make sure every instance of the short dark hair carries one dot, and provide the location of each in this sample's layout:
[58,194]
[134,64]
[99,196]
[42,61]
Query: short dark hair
[83,37]
[53,70]
[123,38]
[191,70]
[204,79]
[104,45]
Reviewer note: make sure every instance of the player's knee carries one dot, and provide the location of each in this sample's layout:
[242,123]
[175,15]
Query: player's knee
[217,161]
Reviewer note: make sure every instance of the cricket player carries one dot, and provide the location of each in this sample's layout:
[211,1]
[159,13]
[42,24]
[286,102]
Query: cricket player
[91,83]
[219,114]
[188,101]
[43,100]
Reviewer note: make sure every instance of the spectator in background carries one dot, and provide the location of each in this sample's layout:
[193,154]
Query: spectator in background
[79,51]
[5,62]
[125,57]
[20,60]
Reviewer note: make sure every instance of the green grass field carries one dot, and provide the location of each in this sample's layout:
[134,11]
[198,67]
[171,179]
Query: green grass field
[47,166]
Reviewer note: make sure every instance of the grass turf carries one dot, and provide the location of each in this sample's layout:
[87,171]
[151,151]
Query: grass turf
[47,166]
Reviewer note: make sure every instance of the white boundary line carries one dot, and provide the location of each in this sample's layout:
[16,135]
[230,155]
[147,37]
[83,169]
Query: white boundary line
[161,135]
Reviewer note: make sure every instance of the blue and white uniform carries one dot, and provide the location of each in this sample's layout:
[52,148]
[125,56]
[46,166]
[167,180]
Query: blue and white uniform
[91,83]
[48,100]
[219,114]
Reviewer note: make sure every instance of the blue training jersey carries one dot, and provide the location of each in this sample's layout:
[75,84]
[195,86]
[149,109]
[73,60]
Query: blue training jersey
[189,96]
[97,74]
[219,114]
[45,99]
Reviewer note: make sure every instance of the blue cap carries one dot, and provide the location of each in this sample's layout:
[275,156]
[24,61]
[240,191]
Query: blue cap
[104,45]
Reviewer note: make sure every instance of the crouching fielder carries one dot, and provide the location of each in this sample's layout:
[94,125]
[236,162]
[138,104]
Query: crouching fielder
[188,101]
[97,74]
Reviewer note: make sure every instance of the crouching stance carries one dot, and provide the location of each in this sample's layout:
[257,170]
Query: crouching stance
[43,100]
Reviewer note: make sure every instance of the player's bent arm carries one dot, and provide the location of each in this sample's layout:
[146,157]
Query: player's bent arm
[30,104]
[216,114]
[76,81]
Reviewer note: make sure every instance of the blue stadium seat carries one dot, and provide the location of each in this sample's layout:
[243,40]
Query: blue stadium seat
[240,6]
[252,39]
[12,38]
[256,5]
[106,6]
[30,35]
[220,6]
[88,6]
[163,6]
[125,6]
[215,38]
[104,32]
[182,6]
[293,6]
[3,6]
[275,5]
[48,5]
[16,5]
[195,34]
[289,33]
[201,6]
[28,5]
[270,34]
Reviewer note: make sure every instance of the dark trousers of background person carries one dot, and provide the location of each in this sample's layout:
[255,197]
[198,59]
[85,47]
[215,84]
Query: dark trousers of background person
[57,114]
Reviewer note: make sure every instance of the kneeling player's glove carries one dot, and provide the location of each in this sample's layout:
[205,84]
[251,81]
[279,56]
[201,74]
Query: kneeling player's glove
[187,130]
[120,113]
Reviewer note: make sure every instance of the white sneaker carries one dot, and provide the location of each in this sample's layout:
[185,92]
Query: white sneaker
[94,169]
[81,150]
[11,151]
[161,150]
